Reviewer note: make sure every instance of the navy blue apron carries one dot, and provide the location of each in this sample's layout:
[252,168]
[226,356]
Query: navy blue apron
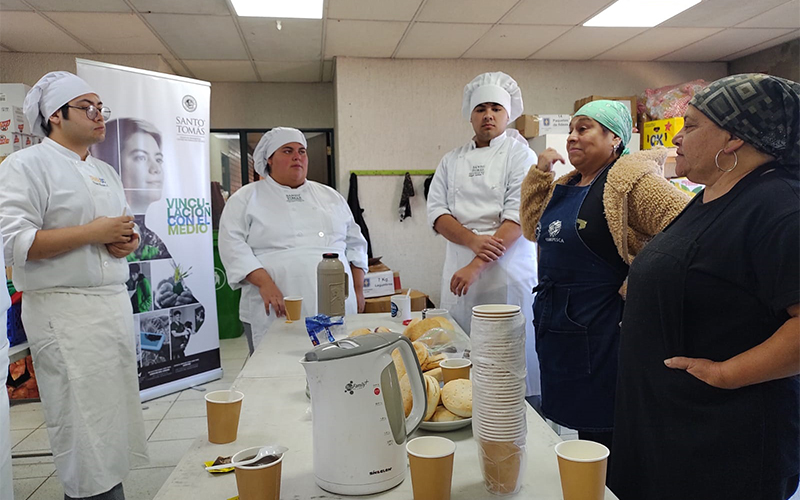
[576,312]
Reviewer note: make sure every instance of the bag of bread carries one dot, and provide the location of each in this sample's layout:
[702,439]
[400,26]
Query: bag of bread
[446,343]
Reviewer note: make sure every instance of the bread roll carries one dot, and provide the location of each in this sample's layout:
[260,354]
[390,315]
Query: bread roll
[410,325]
[360,332]
[417,330]
[382,329]
[442,414]
[457,397]
[421,351]
[435,373]
[432,388]
[398,363]
[405,391]
[433,361]
[444,323]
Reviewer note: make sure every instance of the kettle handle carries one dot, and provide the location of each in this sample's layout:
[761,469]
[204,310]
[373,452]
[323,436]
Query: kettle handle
[418,390]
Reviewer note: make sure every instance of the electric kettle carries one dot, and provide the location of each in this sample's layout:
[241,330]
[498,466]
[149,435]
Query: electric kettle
[359,425]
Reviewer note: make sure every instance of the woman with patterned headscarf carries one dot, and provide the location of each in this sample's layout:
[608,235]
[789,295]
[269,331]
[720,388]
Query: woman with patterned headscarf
[708,395]
[589,225]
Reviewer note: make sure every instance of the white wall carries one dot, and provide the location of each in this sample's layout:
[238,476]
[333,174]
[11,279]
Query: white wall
[268,105]
[406,114]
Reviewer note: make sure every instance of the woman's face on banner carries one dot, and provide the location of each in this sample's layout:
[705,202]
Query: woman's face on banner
[142,170]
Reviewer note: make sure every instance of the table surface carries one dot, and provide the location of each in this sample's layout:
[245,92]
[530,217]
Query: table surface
[276,410]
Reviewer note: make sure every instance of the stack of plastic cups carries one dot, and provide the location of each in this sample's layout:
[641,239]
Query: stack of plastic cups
[498,394]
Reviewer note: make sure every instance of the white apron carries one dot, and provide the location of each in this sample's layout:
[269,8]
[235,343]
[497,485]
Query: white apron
[295,272]
[478,183]
[84,353]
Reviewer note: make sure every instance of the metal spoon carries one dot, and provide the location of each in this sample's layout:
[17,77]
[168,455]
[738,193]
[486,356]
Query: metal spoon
[263,452]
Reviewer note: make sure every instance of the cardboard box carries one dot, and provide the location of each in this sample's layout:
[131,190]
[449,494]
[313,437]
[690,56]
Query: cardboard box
[384,304]
[660,132]
[378,284]
[535,125]
[12,119]
[13,94]
[628,101]
[28,141]
[9,143]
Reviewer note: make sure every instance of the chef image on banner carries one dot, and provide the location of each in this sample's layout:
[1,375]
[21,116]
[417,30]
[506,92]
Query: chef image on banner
[68,230]
[474,203]
[273,232]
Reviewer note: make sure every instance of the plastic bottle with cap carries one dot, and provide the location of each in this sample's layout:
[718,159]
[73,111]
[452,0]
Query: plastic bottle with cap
[333,285]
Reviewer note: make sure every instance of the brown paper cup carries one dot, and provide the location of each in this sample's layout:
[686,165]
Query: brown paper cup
[262,482]
[431,461]
[223,416]
[455,368]
[502,463]
[582,466]
[294,307]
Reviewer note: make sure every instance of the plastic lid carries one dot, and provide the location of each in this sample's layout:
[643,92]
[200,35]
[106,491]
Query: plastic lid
[330,256]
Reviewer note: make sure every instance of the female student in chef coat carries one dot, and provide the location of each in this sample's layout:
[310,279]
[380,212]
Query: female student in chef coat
[474,203]
[273,232]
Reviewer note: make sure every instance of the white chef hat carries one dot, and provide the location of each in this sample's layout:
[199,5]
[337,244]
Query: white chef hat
[52,91]
[270,143]
[493,87]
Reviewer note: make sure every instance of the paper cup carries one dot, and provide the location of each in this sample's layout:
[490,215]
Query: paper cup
[455,368]
[294,308]
[431,461]
[432,313]
[258,482]
[401,307]
[502,463]
[582,466]
[223,416]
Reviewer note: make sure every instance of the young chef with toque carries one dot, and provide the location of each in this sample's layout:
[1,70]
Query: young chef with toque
[474,203]
[66,237]
[273,232]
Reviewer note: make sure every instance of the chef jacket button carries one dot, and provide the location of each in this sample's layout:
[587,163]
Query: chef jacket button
[105,264]
[299,234]
[321,234]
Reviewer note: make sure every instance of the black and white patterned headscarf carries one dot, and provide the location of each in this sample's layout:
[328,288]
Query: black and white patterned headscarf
[762,110]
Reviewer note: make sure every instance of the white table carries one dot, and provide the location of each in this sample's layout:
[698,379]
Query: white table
[276,410]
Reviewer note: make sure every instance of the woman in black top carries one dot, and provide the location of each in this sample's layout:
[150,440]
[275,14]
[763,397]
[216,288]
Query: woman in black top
[707,396]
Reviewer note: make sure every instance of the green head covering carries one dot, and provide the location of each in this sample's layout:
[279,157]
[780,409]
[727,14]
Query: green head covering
[613,115]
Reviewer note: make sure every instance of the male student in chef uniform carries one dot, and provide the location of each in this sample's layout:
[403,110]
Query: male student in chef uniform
[63,215]
[6,485]
[474,203]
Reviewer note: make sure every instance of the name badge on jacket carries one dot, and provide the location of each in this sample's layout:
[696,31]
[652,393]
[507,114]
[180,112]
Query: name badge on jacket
[294,198]
[477,170]
[98,181]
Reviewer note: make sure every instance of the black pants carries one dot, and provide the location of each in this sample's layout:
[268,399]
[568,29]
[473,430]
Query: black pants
[114,493]
[603,437]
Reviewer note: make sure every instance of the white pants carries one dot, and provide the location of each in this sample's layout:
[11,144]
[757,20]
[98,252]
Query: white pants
[6,484]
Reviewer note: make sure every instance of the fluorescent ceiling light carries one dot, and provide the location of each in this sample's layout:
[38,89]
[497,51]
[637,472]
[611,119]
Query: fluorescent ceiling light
[639,13]
[283,9]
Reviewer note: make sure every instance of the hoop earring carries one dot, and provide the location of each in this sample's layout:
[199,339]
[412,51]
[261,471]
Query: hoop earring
[735,161]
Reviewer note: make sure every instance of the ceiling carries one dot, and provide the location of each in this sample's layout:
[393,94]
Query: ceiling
[205,39]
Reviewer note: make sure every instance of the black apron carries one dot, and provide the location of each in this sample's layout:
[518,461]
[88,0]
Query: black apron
[676,437]
[576,312]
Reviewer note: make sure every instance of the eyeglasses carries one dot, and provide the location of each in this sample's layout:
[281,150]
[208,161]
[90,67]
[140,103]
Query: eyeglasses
[91,111]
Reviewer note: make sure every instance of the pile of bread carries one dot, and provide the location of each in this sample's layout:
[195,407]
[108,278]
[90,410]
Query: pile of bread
[445,404]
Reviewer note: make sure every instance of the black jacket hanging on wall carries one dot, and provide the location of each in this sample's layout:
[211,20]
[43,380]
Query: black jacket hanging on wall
[404,209]
[358,212]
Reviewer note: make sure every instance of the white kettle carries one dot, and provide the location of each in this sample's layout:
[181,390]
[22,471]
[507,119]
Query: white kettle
[359,426]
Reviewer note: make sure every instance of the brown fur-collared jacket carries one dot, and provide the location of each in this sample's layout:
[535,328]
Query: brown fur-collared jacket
[638,201]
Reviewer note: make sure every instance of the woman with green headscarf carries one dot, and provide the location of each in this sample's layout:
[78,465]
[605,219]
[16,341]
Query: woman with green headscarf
[589,224]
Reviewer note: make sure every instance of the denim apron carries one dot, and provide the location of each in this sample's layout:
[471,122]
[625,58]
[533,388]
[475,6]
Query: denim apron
[576,312]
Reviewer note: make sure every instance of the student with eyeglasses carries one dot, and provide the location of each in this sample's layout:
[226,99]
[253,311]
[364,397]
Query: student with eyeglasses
[68,229]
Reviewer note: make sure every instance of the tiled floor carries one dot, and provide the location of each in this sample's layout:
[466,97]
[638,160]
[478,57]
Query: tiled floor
[172,422]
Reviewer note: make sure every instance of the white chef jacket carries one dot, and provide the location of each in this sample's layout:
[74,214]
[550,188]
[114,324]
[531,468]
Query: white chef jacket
[480,187]
[286,231]
[6,484]
[46,187]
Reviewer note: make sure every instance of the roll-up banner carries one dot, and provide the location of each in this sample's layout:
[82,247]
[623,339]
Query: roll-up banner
[157,139]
